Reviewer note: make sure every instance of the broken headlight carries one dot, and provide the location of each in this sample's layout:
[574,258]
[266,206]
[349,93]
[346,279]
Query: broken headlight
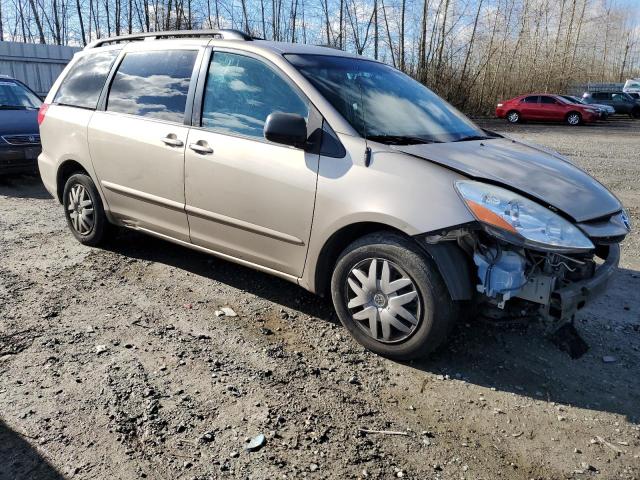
[519,220]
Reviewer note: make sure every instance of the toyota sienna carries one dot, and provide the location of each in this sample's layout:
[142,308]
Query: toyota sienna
[336,172]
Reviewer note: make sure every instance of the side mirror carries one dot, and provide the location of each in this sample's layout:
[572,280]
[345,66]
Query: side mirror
[286,128]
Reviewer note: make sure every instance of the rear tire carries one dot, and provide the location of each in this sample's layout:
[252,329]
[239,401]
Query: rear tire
[574,119]
[513,117]
[400,308]
[84,211]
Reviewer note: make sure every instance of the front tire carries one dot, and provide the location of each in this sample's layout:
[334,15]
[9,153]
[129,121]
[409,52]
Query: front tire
[391,297]
[574,119]
[513,117]
[84,211]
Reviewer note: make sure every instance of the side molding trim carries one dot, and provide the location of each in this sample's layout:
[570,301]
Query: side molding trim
[250,227]
[145,197]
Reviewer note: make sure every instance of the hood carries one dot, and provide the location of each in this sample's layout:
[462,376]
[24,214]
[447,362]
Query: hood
[533,171]
[603,107]
[18,121]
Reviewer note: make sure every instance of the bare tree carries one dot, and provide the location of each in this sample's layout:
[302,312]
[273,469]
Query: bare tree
[470,51]
[36,18]
[1,24]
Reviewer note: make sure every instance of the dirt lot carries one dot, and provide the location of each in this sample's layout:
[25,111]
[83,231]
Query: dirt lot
[113,364]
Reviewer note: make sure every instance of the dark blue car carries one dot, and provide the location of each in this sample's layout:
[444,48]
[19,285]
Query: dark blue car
[19,134]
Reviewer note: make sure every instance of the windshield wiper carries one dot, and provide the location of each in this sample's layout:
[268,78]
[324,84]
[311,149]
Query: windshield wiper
[400,139]
[469,138]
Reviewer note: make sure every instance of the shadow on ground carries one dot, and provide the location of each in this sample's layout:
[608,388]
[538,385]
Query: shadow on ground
[20,461]
[23,186]
[513,358]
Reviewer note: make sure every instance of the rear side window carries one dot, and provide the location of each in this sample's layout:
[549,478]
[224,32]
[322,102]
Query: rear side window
[600,96]
[532,99]
[83,84]
[241,92]
[153,84]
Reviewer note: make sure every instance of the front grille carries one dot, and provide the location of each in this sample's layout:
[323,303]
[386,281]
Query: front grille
[22,139]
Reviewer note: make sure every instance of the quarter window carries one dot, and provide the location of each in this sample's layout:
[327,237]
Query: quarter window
[81,87]
[241,92]
[153,84]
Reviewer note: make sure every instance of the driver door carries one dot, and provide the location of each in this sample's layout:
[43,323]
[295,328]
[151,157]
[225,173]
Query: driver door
[246,197]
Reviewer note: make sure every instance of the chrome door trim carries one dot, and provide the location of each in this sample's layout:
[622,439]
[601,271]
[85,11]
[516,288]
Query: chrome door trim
[250,227]
[145,197]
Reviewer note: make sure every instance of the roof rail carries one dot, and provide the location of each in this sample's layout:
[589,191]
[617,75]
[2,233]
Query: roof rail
[225,34]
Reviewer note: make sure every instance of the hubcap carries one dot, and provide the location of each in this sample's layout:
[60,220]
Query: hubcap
[383,300]
[80,208]
[513,117]
[574,119]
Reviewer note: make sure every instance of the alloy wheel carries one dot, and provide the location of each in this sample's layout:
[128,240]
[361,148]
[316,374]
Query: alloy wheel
[573,119]
[513,117]
[80,208]
[383,300]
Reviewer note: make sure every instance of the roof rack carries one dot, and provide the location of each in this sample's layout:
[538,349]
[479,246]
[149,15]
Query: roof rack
[225,34]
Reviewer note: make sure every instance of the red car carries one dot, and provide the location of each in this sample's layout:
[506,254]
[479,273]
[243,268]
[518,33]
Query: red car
[545,107]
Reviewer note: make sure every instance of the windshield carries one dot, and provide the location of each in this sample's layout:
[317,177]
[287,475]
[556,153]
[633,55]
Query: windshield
[15,96]
[384,104]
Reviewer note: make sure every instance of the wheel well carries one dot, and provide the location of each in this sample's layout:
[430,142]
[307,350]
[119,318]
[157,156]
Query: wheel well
[510,111]
[335,246]
[68,168]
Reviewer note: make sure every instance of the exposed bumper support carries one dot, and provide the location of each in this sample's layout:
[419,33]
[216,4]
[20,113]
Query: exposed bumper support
[567,300]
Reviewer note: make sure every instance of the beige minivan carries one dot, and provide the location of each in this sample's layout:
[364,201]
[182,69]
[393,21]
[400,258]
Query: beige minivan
[333,171]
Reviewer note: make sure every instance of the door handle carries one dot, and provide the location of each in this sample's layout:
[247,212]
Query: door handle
[172,140]
[201,147]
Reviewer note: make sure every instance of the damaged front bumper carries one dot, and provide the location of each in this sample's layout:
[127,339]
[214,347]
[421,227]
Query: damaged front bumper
[567,300]
[519,282]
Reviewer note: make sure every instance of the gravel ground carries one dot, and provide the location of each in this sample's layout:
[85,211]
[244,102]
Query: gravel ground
[114,364]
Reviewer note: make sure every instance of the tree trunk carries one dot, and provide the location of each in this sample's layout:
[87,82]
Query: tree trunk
[106,7]
[130,18]
[442,40]
[36,17]
[1,24]
[422,47]
[56,22]
[468,55]
[340,28]
[375,29]
[386,24]
[624,61]
[81,22]
[118,15]
[294,18]
[325,6]
[245,17]
[401,55]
